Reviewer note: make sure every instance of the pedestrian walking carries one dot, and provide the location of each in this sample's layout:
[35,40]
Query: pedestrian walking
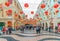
[4,30]
[10,29]
[56,29]
[38,29]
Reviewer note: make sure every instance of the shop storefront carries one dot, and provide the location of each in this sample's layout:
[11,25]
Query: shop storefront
[1,25]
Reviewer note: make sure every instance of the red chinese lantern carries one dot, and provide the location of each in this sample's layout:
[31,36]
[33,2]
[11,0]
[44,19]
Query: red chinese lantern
[56,5]
[7,3]
[16,15]
[21,12]
[46,12]
[57,11]
[26,5]
[32,12]
[43,6]
[9,12]
[36,14]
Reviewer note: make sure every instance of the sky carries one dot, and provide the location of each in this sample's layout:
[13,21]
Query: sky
[33,5]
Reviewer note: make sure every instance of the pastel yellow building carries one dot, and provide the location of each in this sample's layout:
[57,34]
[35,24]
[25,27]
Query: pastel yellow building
[7,18]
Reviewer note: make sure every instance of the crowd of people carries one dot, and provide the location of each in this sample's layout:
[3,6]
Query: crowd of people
[6,30]
[37,28]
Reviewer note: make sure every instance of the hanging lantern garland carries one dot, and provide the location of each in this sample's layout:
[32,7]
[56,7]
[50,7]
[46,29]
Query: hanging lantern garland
[16,15]
[9,12]
[57,11]
[26,5]
[21,12]
[46,13]
[32,12]
[56,5]
[43,6]
[37,15]
[7,4]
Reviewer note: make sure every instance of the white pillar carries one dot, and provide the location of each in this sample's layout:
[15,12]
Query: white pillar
[53,27]
[54,24]
[48,24]
[13,23]
[44,25]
